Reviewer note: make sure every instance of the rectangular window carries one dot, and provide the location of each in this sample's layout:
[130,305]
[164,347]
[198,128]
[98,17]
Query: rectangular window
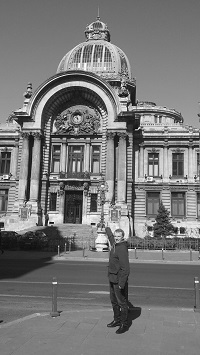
[5,162]
[177,164]
[178,204]
[95,163]
[76,159]
[52,201]
[198,165]
[3,200]
[153,199]
[56,150]
[93,204]
[153,159]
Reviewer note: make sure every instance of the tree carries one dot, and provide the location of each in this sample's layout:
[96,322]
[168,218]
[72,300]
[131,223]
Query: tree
[163,226]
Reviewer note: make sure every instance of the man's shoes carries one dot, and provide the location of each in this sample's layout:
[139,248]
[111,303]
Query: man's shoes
[122,329]
[114,323]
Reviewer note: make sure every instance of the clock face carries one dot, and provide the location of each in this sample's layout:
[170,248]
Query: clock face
[77,118]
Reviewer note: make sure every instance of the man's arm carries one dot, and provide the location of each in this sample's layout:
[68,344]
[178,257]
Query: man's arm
[110,235]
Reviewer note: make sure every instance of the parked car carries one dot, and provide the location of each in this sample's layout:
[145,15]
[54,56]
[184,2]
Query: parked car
[10,239]
[33,240]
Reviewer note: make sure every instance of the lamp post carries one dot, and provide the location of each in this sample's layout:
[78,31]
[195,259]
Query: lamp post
[101,242]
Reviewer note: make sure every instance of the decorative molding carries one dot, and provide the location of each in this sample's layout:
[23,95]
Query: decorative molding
[177,150]
[74,187]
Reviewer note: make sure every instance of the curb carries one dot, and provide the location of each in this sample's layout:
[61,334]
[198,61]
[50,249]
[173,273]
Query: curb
[20,320]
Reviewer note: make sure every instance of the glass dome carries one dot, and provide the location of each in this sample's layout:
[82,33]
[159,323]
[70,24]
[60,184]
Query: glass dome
[97,54]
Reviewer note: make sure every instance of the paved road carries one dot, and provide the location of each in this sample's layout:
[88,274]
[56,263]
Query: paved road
[25,285]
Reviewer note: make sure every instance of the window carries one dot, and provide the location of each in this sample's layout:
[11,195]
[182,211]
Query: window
[95,163]
[52,201]
[178,204]
[3,200]
[198,165]
[5,162]
[153,159]
[93,204]
[55,167]
[153,199]
[182,230]
[76,158]
[177,164]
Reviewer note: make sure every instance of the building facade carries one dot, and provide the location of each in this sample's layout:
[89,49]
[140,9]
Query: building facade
[83,133]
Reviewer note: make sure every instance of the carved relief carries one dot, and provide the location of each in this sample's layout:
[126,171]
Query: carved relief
[78,120]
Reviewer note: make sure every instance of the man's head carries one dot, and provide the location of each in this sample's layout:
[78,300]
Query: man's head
[118,235]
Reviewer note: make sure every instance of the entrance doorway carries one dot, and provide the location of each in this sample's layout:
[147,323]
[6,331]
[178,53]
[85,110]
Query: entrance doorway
[73,207]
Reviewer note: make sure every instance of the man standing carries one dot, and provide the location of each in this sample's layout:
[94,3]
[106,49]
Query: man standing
[118,272]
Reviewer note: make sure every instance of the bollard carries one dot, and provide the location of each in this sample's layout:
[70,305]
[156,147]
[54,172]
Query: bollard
[163,254]
[70,244]
[65,248]
[190,254]
[58,250]
[136,253]
[196,290]
[54,312]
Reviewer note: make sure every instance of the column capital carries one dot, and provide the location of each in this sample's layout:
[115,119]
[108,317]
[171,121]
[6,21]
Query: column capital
[25,135]
[122,135]
[110,135]
[37,135]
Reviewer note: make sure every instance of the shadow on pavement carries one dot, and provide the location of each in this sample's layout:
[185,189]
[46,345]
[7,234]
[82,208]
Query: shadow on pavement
[133,313]
[15,263]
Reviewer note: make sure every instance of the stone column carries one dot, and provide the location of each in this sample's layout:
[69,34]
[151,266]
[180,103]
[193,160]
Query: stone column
[23,175]
[63,157]
[87,155]
[110,166]
[121,173]
[141,162]
[14,164]
[165,163]
[190,163]
[35,168]
[62,200]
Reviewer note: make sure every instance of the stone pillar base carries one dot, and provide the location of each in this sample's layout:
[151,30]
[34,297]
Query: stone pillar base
[101,243]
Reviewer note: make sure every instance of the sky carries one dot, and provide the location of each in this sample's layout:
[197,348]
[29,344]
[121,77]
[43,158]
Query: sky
[160,38]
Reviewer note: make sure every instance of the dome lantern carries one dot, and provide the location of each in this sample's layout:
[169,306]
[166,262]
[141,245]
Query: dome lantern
[97,30]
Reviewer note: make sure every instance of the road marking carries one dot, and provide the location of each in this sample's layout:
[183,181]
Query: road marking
[95,284]
[31,296]
[100,292]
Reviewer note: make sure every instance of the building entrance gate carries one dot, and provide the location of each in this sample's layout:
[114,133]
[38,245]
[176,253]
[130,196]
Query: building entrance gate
[73,207]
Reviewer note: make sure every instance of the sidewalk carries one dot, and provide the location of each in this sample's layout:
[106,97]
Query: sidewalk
[152,331]
[155,331]
[136,256]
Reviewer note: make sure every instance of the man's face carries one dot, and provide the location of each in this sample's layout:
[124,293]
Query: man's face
[118,237]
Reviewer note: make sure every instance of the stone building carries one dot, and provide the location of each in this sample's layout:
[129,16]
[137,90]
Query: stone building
[83,149]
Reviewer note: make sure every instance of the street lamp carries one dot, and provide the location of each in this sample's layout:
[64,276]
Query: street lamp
[101,242]
[102,188]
